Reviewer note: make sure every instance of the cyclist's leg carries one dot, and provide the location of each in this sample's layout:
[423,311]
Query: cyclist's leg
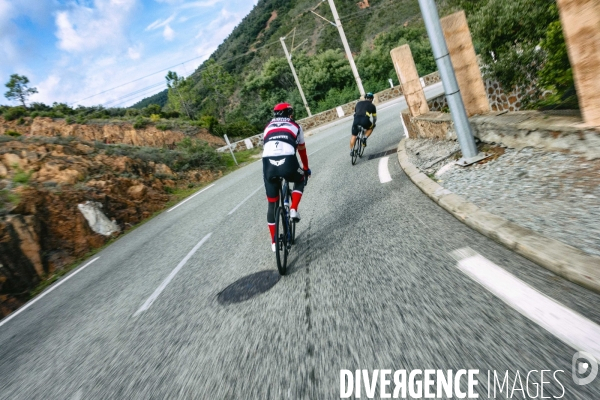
[354,135]
[272,190]
[296,174]
[368,125]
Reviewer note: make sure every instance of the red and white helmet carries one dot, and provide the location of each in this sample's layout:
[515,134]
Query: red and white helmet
[283,110]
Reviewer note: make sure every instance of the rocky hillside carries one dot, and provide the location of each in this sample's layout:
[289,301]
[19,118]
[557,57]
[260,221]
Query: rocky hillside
[48,185]
[105,132]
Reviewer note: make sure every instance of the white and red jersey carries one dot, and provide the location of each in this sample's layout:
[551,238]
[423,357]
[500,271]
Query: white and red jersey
[281,137]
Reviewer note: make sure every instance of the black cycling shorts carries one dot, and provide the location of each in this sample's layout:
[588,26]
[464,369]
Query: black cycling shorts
[363,121]
[286,167]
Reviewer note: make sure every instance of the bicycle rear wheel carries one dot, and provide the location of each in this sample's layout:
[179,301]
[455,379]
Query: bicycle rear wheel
[355,149]
[361,147]
[281,242]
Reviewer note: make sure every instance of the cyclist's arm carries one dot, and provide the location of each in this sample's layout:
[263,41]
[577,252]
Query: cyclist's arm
[303,155]
[302,149]
[374,114]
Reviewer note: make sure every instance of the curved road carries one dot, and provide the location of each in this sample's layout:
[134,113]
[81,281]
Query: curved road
[373,286]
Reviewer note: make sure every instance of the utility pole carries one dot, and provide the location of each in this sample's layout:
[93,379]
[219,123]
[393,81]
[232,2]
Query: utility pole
[446,70]
[289,59]
[338,24]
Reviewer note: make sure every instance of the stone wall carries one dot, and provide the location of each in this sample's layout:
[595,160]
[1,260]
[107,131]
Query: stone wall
[515,130]
[389,94]
[498,98]
[430,79]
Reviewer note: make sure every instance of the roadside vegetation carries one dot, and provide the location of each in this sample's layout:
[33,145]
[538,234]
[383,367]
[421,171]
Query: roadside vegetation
[522,45]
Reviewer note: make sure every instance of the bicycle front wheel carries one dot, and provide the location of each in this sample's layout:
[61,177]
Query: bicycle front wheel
[281,248]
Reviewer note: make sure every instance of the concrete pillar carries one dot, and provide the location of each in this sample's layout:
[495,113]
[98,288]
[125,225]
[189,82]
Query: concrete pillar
[581,26]
[409,79]
[464,60]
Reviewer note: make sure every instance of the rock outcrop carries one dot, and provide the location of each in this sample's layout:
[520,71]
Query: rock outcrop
[45,183]
[108,132]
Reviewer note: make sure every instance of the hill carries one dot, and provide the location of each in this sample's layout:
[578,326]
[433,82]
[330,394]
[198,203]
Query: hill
[256,39]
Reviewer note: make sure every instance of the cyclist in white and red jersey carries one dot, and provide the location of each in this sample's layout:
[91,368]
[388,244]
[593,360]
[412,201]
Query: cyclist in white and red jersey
[282,137]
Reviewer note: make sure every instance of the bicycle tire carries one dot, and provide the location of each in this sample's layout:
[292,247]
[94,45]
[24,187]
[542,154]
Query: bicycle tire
[361,147]
[355,149]
[281,249]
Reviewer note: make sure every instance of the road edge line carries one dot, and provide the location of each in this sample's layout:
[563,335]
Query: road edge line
[564,260]
[45,292]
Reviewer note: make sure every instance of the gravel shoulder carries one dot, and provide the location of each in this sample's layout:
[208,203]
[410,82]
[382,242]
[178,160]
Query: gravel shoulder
[554,194]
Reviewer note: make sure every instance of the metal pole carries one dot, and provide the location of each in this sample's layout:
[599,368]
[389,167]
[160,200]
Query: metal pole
[444,64]
[336,18]
[230,148]
[289,59]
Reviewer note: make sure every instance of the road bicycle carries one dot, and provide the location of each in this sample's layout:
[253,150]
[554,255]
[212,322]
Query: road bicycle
[358,149]
[285,227]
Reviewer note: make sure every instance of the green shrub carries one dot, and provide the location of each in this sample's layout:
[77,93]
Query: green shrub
[521,43]
[22,176]
[140,123]
[151,109]
[14,113]
[556,75]
[154,117]
[162,127]
[132,112]
[7,199]
[12,133]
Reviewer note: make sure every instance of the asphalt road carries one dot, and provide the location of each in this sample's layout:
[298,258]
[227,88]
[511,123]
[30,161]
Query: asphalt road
[372,286]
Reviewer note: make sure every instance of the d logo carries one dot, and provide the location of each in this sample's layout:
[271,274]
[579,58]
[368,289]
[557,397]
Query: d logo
[584,364]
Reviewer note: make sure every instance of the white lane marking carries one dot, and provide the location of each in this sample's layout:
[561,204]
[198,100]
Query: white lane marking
[57,284]
[384,172]
[164,284]
[310,154]
[246,199]
[191,197]
[572,328]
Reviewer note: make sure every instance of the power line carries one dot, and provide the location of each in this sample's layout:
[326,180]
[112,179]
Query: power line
[220,62]
[133,94]
[138,79]
[224,61]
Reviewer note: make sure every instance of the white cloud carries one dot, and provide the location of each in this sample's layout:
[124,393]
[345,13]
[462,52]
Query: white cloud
[46,89]
[83,29]
[103,44]
[159,24]
[200,4]
[133,53]
[168,33]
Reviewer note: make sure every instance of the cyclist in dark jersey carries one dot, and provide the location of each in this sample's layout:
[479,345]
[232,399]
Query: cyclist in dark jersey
[364,111]
[283,137]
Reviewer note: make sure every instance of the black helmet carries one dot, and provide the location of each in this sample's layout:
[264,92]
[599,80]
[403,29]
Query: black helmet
[283,110]
[369,96]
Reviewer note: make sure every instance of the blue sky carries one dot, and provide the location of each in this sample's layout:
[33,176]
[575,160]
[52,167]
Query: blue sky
[73,49]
